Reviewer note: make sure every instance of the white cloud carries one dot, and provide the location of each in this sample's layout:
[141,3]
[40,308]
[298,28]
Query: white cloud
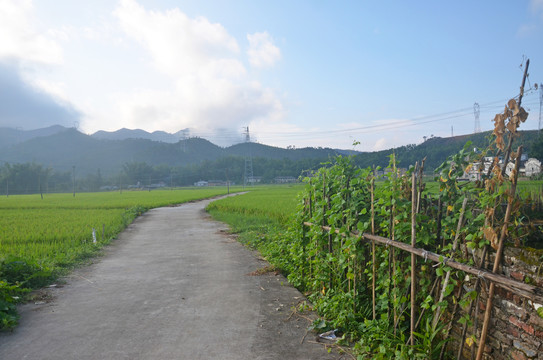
[380,144]
[537,6]
[209,87]
[262,52]
[534,25]
[178,44]
[19,40]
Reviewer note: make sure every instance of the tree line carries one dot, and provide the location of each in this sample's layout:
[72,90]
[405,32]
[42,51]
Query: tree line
[33,178]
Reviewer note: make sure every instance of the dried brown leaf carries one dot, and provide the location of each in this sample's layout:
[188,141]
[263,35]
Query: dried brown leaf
[512,174]
[522,115]
[491,236]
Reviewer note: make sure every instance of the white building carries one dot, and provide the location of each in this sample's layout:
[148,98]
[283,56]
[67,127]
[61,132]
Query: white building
[532,167]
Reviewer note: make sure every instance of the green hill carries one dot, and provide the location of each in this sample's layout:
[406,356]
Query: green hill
[69,148]
[62,150]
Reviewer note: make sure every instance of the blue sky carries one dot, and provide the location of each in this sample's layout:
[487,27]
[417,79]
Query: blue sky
[302,73]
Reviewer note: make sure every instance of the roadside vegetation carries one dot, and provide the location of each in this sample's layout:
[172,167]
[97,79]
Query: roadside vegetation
[42,238]
[335,271]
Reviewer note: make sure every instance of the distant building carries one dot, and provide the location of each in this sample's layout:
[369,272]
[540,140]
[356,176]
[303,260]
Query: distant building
[532,167]
[201,183]
[528,167]
[285,179]
[400,171]
[216,183]
[254,179]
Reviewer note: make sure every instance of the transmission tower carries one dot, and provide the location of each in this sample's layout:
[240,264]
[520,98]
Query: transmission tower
[248,176]
[540,102]
[476,112]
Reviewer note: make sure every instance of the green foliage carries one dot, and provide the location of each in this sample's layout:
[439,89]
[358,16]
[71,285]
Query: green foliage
[28,274]
[8,309]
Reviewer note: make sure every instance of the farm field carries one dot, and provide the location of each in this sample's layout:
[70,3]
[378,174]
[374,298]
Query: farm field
[272,202]
[56,231]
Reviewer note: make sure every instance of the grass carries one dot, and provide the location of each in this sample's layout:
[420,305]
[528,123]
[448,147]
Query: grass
[259,215]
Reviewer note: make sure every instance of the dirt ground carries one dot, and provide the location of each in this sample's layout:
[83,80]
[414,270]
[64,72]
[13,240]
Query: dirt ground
[174,285]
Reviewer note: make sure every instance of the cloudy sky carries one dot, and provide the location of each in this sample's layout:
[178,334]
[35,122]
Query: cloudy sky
[302,73]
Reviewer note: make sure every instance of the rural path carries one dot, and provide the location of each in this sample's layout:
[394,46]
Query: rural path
[173,285]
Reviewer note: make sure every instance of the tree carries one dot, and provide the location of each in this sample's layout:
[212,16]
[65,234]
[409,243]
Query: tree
[536,147]
[137,172]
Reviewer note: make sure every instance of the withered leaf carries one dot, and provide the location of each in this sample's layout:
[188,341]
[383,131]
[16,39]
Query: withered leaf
[491,236]
[522,114]
[512,104]
[512,174]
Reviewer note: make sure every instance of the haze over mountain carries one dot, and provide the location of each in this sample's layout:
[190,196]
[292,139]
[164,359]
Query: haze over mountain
[123,134]
[61,148]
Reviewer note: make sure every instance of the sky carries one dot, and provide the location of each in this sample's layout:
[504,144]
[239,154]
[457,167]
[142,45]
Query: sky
[363,75]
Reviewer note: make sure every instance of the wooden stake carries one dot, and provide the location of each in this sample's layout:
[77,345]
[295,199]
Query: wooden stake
[470,308]
[372,190]
[413,257]
[448,274]
[498,258]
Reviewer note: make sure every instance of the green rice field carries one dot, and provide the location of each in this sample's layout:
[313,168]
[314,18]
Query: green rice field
[56,231]
[275,203]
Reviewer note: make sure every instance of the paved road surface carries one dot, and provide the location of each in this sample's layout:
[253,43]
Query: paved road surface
[172,286]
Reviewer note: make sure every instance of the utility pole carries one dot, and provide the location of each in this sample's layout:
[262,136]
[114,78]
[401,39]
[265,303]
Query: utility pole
[227,181]
[452,132]
[73,178]
[476,112]
[248,176]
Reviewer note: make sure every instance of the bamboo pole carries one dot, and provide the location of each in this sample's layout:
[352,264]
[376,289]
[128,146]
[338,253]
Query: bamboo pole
[470,307]
[413,257]
[498,258]
[373,245]
[448,274]
[439,214]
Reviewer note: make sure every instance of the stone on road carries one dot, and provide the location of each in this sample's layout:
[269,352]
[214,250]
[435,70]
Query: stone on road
[172,286]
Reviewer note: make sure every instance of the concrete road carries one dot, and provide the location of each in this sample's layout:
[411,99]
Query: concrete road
[172,286]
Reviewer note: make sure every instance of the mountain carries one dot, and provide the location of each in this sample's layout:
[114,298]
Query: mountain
[124,134]
[63,150]
[9,136]
[437,149]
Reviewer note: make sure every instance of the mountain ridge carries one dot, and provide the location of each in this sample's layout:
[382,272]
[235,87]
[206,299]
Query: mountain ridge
[63,148]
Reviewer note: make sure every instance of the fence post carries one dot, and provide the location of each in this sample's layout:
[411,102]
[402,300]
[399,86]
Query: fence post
[448,274]
[413,256]
[372,190]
